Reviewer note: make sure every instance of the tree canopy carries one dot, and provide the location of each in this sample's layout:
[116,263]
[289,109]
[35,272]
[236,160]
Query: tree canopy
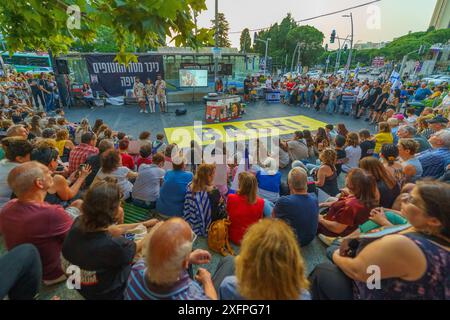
[223,28]
[395,50]
[245,41]
[43,25]
[285,37]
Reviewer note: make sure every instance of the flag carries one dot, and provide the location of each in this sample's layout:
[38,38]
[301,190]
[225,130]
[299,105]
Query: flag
[357,71]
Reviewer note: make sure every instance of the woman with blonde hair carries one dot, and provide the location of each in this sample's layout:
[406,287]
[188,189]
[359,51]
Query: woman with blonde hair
[63,144]
[202,199]
[383,136]
[82,129]
[258,276]
[244,208]
[326,176]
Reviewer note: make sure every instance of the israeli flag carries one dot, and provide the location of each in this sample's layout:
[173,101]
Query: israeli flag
[395,80]
[357,71]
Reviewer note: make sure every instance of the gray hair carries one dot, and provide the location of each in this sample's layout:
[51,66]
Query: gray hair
[444,135]
[409,129]
[298,179]
[105,144]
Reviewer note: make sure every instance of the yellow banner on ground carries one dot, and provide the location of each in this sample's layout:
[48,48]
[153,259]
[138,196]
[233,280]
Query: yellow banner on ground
[239,130]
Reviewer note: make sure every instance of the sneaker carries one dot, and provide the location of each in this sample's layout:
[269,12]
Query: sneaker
[145,111]
[327,240]
[366,119]
[141,111]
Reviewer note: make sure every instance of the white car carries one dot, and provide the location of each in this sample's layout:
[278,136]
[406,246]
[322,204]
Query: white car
[376,72]
[431,78]
[314,74]
[440,80]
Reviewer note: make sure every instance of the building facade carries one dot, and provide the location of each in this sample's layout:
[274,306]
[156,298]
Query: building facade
[441,15]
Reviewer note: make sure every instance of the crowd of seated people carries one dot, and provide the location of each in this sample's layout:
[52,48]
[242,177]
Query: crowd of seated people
[63,187]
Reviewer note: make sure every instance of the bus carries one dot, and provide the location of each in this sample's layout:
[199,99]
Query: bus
[28,62]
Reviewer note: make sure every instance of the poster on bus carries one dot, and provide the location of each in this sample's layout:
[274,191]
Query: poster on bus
[114,79]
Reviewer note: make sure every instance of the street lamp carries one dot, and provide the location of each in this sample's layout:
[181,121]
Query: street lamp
[267,47]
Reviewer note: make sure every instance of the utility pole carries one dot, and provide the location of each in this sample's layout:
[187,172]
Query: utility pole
[267,48]
[349,60]
[216,40]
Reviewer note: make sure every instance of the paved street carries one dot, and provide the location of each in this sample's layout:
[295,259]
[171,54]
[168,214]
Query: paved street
[129,120]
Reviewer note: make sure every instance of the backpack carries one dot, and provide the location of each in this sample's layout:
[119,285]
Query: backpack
[218,237]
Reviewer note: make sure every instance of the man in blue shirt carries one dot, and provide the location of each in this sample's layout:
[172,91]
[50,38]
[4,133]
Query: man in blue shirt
[435,162]
[173,191]
[422,93]
[300,209]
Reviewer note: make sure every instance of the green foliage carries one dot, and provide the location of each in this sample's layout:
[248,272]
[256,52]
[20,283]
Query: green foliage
[222,32]
[245,41]
[42,25]
[394,51]
[284,38]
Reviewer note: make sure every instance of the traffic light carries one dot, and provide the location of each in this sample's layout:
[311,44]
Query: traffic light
[326,46]
[333,36]
[345,47]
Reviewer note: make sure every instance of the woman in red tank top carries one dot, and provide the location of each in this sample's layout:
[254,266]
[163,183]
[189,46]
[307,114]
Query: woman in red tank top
[244,208]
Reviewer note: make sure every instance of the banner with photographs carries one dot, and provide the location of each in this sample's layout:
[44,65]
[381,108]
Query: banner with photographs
[115,79]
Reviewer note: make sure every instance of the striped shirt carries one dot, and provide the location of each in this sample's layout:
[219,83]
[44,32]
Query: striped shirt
[434,162]
[197,211]
[138,287]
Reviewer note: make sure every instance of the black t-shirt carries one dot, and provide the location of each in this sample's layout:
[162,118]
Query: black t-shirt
[247,85]
[367,148]
[45,84]
[379,103]
[341,155]
[373,96]
[34,86]
[105,262]
[387,196]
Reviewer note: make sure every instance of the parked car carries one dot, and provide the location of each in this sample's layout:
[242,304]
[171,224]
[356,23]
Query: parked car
[314,74]
[431,78]
[376,72]
[440,80]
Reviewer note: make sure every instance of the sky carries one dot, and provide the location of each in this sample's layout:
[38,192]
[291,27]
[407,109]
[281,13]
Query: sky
[382,21]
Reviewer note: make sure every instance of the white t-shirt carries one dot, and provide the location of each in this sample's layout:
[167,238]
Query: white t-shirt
[269,84]
[353,155]
[148,182]
[120,174]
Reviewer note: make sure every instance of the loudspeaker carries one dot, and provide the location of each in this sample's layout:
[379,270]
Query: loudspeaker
[180,112]
[62,67]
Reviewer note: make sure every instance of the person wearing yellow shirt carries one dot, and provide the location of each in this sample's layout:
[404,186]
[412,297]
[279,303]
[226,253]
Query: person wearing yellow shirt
[383,136]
